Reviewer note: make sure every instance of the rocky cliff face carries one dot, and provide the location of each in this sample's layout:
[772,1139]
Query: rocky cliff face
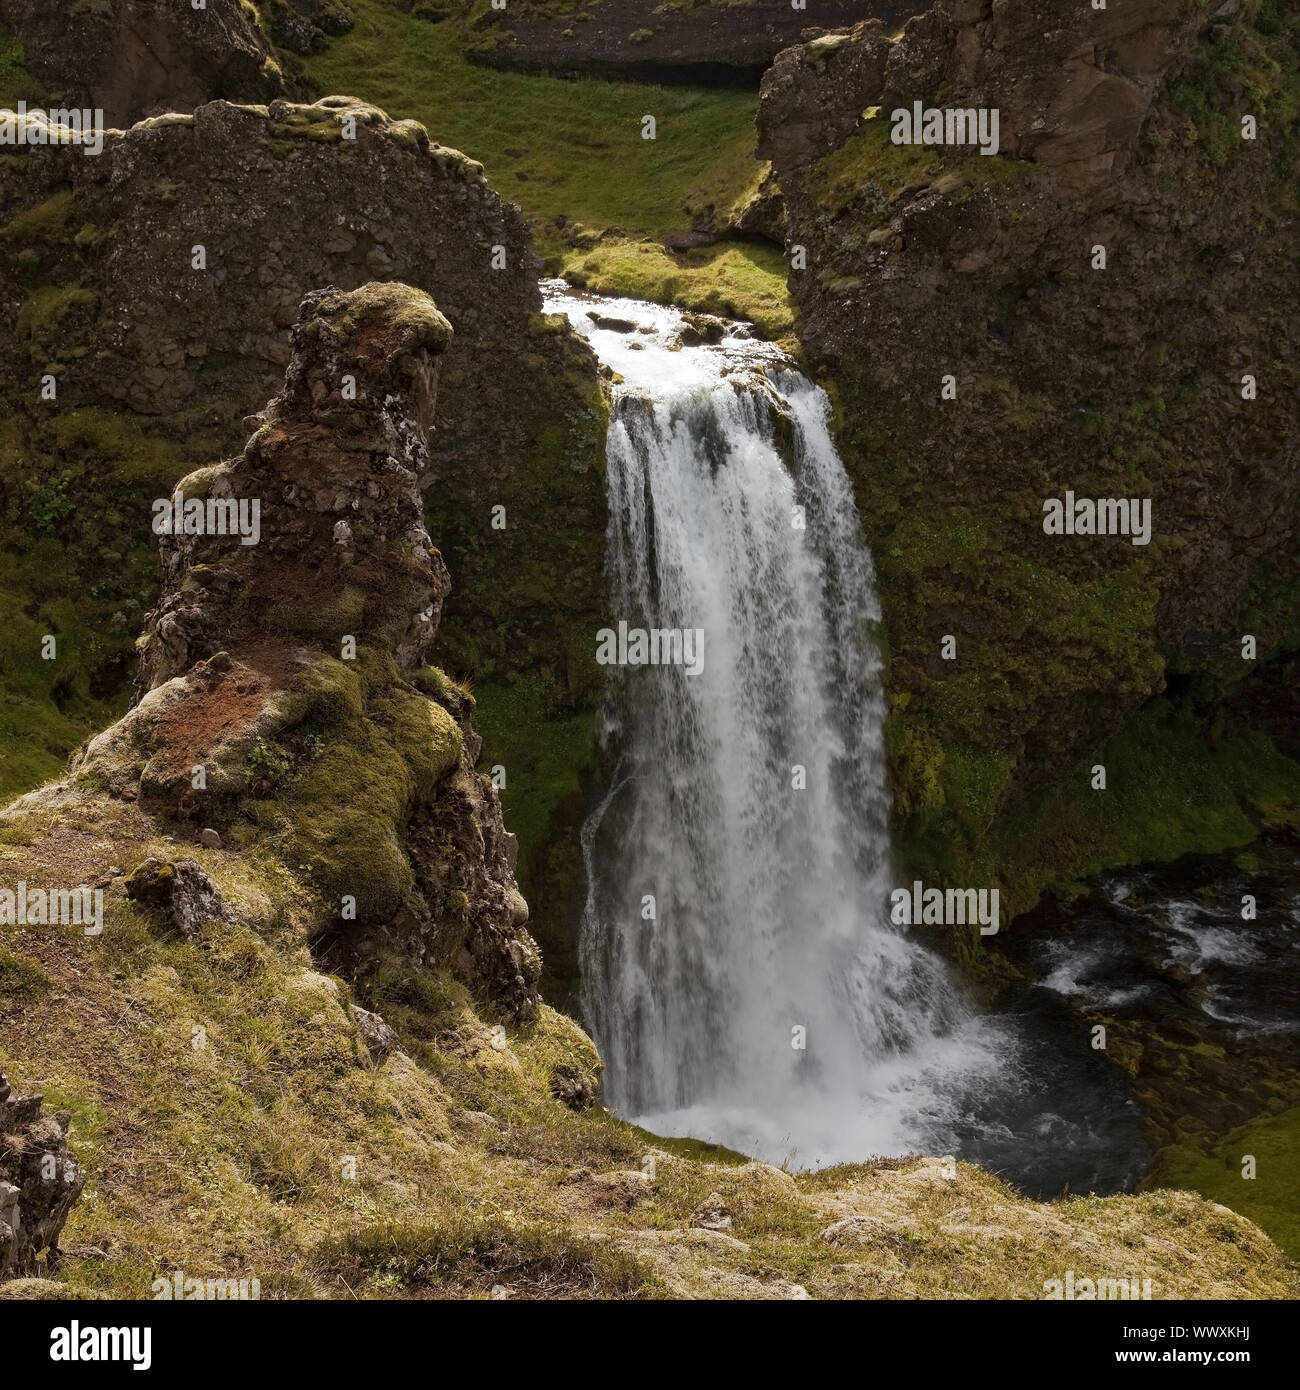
[135,58]
[155,284]
[646,41]
[1121,144]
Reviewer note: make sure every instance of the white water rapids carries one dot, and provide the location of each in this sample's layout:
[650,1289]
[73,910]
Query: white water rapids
[770,897]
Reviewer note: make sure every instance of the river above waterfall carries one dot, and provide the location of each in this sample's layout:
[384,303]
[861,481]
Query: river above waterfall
[739,968]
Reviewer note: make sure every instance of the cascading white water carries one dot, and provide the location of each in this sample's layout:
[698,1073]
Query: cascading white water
[749,799]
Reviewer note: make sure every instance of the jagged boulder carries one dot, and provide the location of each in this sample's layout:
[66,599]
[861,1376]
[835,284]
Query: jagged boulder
[283,688]
[39,1180]
[181,891]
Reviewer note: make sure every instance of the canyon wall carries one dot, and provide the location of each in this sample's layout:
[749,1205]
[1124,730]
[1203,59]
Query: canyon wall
[983,362]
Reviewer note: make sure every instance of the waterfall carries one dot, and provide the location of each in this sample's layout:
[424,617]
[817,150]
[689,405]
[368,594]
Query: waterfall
[740,972]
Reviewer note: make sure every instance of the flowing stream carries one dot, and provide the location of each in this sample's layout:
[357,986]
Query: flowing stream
[739,969]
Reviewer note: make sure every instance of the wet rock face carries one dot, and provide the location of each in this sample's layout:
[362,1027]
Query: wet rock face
[134,58]
[39,1180]
[1198,1002]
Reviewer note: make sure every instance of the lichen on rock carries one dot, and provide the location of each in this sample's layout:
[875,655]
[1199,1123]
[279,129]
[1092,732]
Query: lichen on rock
[39,1181]
[282,688]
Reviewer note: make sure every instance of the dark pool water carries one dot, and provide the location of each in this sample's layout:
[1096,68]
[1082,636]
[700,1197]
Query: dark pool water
[1167,949]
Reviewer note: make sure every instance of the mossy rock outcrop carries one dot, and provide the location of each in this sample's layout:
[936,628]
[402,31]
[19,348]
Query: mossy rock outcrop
[158,363]
[323,746]
[136,58]
[981,363]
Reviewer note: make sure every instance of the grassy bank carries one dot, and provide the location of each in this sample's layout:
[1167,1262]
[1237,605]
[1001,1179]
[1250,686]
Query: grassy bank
[572,152]
[1270,1197]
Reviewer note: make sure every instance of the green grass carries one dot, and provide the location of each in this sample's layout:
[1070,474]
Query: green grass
[745,280]
[23,981]
[585,160]
[538,1261]
[1271,1198]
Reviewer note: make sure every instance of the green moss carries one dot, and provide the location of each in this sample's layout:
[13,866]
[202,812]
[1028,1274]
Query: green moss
[550,763]
[1049,642]
[867,174]
[136,454]
[268,766]
[75,494]
[742,280]
[340,818]
[42,315]
[48,707]
[23,980]
[321,124]
[409,316]
[1169,793]
[16,83]
[49,221]
[1271,1198]
[438,685]
[169,120]
[528,598]
[339,616]
[553,1040]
